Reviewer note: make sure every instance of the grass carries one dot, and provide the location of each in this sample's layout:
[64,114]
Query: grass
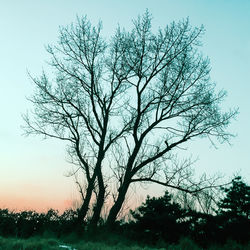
[38,243]
[54,244]
[28,244]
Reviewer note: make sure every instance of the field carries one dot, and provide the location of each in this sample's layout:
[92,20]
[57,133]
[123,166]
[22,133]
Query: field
[54,244]
[38,243]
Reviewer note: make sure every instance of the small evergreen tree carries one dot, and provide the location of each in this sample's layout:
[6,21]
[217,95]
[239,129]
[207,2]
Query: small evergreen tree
[160,218]
[237,200]
[233,213]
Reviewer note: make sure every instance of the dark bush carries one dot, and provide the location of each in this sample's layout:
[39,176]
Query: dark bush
[159,218]
[30,223]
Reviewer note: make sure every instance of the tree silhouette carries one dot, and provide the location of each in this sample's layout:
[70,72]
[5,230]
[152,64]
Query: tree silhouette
[234,209]
[159,218]
[237,200]
[125,105]
[25,224]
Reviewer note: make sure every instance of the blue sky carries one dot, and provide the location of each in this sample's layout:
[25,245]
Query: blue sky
[32,170]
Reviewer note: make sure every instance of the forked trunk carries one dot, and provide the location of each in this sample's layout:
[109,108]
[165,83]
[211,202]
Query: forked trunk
[114,211]
[99,203]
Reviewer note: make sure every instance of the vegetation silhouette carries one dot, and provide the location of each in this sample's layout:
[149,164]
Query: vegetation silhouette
[126,105]
[234,211]
[160,218]
[30,223]
[159,221]
[237,200]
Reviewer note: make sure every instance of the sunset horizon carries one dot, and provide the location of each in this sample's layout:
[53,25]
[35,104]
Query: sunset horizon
[83,127]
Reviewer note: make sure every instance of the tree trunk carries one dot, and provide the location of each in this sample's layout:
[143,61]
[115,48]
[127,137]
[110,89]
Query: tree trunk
[123,188]
[118,204]
[100,201]
[85,206]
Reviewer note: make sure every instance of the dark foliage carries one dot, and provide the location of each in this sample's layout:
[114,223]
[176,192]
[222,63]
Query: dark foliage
[156,220]
[159,218]
[237,200]
[30,223]
[234,211]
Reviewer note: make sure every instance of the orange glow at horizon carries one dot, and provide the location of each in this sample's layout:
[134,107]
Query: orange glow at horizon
[39,205]
[36,197]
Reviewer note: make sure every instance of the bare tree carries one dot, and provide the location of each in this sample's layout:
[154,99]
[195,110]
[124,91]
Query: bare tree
[78,105]
[128,104]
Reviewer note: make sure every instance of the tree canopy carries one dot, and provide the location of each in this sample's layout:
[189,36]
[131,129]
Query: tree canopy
[125,105]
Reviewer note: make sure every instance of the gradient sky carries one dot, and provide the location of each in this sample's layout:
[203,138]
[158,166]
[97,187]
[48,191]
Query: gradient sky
[33,171]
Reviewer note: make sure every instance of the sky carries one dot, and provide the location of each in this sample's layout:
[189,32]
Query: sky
[33,171]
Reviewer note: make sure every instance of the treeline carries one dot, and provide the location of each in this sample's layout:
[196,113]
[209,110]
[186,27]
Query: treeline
[156,220]
[26,224]
[161,219]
